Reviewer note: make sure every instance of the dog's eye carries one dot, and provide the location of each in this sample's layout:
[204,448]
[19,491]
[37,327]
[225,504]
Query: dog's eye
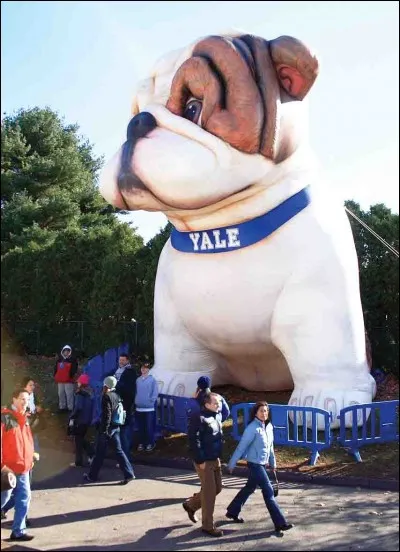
[193,110]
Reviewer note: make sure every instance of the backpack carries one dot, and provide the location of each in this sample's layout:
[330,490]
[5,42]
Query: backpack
[119,415]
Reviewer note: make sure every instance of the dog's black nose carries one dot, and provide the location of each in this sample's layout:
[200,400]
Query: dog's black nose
[140,125]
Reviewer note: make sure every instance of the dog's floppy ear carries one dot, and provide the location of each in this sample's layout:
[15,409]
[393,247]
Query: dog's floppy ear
[284,70]
[242,81]
[295,65]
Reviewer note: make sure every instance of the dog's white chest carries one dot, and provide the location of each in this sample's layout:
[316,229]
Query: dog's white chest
[226,296]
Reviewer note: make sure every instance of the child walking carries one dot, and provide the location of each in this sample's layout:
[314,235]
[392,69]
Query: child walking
[81,419]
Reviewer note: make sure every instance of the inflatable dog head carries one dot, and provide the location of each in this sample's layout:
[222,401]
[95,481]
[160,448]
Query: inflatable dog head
[211,121]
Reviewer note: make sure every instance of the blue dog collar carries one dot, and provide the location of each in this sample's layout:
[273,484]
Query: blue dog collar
[229,238]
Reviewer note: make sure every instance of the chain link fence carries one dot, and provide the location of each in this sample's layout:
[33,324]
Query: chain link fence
[89,339]
[86,338]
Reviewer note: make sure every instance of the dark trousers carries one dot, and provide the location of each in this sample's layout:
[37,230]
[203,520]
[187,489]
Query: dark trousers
[127,431]
[81,444]
[258,477]
[146,425]
[101,449]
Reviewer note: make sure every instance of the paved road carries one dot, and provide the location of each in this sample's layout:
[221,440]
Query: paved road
[147,514]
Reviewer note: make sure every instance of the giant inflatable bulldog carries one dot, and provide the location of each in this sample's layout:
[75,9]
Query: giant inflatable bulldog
[258,284]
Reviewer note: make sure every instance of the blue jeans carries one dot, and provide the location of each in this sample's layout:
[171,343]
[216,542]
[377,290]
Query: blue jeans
[146,426]
[101,449]
[81,444]
[127,431]
[22,498]
[258,477]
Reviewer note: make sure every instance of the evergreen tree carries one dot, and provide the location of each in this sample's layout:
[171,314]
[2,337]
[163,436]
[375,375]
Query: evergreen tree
[379,281]
[63,249]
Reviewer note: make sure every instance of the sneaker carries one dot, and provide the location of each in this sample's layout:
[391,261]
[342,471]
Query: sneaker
[284,527]
[213,532]
[191,514]
[3,514]
[149,448]
[140,448]
[23,537]
[127,480]
[88,479]
[235,519]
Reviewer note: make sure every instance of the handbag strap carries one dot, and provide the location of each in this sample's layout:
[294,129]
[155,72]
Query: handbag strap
[275,478]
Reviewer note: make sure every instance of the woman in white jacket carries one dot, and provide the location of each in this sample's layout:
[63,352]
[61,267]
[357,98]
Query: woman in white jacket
[257,447]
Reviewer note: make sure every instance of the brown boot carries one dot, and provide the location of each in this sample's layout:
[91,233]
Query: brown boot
[192,516]
[213,532]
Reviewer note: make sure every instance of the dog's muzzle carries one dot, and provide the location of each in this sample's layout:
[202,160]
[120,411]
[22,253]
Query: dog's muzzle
[139,126]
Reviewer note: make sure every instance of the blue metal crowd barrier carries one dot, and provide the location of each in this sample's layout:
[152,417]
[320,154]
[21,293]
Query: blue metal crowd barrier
[380,424]
[110,362]
[94,369]
[171,413]
[290,426]
[297,426]
[101,366]
[123,349]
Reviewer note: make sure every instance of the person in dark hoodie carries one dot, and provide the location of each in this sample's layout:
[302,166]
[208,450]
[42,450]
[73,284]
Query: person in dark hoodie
[109,432]
[126,389]
[81,419]
[195,403]
[205,444]
[64,375]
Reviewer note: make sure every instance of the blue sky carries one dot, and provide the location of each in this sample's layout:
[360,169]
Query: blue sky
[83,59]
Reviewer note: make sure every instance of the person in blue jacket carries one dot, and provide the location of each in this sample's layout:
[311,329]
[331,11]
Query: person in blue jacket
[81,419]
[257,447]
[145,399]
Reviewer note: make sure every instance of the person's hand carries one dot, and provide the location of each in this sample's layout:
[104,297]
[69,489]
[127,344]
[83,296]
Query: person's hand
[36,456]
[39,409]
[202,466]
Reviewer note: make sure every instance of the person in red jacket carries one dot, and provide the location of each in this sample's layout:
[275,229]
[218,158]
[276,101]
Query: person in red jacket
[17,455]
[64,375]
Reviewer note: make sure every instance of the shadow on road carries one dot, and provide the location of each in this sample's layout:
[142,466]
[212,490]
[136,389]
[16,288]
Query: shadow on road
[158,539]
[85,515]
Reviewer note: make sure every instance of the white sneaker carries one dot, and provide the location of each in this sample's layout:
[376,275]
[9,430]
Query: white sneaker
[149,448]
[140,448]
